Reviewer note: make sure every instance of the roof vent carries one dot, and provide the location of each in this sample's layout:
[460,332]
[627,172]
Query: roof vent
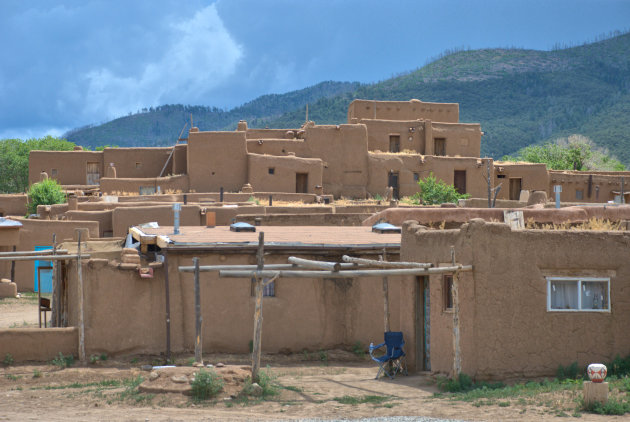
[242,227]
[385,228]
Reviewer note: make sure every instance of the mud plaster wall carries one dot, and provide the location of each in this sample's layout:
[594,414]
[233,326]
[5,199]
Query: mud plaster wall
[533,177]
[123,311]
[403,110]
[217,160]
[137,162]
[71,166]
[129,185]
[38,344]
[123,218]
[506,329]
[13,204]
[284,171]
[602,186]
[104,218]
[278,147]
[462,140]
[39,233]
[410,132]
[179,159]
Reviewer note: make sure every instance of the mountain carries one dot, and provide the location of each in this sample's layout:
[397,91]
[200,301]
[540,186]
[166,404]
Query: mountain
[520,97]
[161,125]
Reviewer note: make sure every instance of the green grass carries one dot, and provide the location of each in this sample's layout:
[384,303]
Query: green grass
[356,400]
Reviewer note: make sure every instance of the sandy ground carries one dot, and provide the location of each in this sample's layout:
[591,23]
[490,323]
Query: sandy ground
[19,312]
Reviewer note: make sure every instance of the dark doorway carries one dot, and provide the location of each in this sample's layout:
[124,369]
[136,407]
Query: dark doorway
[439,146]
[394,143]
[459,181]
[301,182]
[393,183]
[423,324]
[515,188]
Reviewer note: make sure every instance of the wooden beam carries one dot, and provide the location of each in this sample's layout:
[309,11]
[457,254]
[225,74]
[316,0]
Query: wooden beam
[198,318]
[457,360]
[342,274]
[385,297]
[384,264]
[315,265]
[167,294]
[142,237]
[82,356]
[29,253]
[258,279]
[41,257]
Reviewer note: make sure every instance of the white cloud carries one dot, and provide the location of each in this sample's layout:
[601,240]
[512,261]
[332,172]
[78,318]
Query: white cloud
[200,56]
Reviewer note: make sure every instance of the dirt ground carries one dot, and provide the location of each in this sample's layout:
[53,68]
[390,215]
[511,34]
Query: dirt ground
[325,384]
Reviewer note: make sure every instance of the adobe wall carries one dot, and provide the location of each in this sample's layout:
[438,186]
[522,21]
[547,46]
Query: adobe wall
[125,217]
[461,140]
[411,133]
[137,161]
[71,166]
[313,219]
[39,233]
[533,177]
[278,174]
[38,344]
[13,204]
[217,160]
[506,330]
[128,185]
[123,311]
[278,147]
[411,166]
[104,218]
[179,160]
[403,110]
[256,134]
[343,149]
[602,185]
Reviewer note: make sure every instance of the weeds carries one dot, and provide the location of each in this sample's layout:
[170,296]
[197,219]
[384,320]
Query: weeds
[207,384]
[12,377]
[570,372]
[323,356]
[63,361]
[611,407]
[8,359]
[358,349]
[37,374]
[361,400]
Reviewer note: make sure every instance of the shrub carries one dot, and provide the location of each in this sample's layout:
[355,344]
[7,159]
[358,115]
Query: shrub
[611,407]
[46,192]
[8,359]
[63,361]
[570,372]
[619,366]
[207,384]
[435,192]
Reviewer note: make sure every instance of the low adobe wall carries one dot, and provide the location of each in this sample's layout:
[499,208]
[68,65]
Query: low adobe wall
[165,184]
[125,217]
[304,219]
[104,219]
[13,204]
[38,344]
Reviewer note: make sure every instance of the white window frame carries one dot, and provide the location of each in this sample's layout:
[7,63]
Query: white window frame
[579,281]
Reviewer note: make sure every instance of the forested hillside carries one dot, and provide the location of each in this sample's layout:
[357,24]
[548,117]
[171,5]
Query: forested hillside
[520,97]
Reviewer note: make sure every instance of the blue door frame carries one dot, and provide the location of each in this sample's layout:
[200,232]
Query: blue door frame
[46,281]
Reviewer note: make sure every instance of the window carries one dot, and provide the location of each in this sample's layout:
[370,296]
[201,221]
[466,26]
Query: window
[585,294]
[447,288]
[53,173]
[268,291]
[272,170]
[416,177]
[138,165]
[579,194]
[439,146]
[394,143]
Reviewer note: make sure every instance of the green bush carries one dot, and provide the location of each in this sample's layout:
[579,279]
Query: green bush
[63,361]
[569,372]
[46,192]
[435,192]
[8,359]
[611,407]
[207,384]
[619,366]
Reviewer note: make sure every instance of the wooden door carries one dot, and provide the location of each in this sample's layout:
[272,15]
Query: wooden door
[301,183]
[394,143]
[423,324]
[515,188]
[93,174]
[439,146]
[459,181]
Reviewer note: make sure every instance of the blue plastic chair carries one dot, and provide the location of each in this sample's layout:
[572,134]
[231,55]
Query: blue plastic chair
[393,361]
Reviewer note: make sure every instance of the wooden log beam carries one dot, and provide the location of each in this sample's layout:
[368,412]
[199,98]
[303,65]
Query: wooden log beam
[29,253]
[82,356]
[198,318]
[342,274]
[384,264]
[41,257]
[315,265]
[258,279]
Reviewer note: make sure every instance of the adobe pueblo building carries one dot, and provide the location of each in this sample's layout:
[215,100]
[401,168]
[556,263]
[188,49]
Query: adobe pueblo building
[384,144]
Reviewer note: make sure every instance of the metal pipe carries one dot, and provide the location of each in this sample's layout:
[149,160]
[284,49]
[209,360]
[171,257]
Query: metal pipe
[344,274]
[385,264]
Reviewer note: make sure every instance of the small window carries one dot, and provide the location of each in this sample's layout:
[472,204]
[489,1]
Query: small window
[272,170]
[53,173]
[447,288]
[500,176]
[578,294]
[138,165]
[268,291]
[579,194]
[416,177]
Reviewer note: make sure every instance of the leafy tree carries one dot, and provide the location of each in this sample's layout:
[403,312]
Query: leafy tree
[434,191]
[46,192]
[14,160]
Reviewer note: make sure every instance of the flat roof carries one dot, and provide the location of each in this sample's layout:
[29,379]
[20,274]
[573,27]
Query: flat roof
[299,237]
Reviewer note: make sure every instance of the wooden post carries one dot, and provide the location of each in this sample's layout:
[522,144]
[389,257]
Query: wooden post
[39,296]
[168,308]
[385,297]
[13,267]
[489,183]
[54,313]
[198,319]
[256,350]
[457,361]
[82,357]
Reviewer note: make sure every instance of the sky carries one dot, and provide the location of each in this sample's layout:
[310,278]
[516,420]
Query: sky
[66,64]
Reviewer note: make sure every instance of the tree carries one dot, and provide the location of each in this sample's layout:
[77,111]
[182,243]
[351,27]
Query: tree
[434,192]
[46,192]
[14,160]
